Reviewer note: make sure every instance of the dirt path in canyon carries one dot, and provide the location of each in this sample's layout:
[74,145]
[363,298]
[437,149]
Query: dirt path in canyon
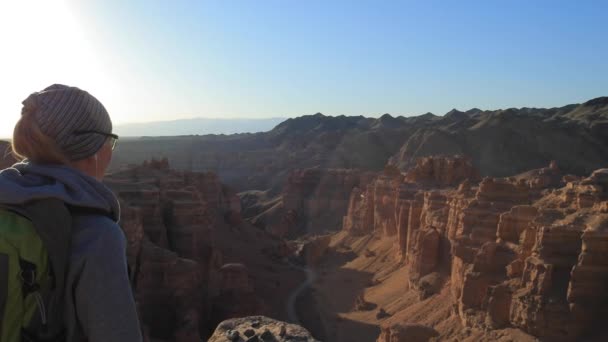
[311,276]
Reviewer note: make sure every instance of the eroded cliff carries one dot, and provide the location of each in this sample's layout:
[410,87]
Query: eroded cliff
[312,201]
[194,261]
[499,142]
[504,253]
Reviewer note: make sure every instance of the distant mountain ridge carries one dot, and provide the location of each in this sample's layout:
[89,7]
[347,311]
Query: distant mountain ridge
[499,142]
[197,126]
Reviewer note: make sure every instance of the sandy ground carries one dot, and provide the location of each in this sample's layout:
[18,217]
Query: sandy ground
[291,306]
[368,266]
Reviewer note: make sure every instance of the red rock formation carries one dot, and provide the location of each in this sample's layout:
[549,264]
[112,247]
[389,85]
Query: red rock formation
[514,222]
[237,297]
[406,333]
[132,224]
[384,206]
[360,215]
[546,177]
[403,212]
[442,171]
[235,278]
[313,201]
[168,290]
[553,300]
[179,227]
[312,249]
[518,254]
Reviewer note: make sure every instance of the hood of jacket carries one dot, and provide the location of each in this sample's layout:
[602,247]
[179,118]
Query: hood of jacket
[27,181]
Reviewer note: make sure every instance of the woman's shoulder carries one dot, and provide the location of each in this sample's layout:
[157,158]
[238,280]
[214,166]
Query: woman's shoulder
[96,232]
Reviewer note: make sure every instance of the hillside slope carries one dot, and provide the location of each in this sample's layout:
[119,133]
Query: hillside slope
[500,143]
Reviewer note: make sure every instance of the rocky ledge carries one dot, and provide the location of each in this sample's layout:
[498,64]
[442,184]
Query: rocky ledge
[259,328]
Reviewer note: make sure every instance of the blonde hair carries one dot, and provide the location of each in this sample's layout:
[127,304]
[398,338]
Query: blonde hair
[30,142]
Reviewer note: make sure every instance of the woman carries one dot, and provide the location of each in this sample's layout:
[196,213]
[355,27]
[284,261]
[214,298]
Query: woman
[65,136]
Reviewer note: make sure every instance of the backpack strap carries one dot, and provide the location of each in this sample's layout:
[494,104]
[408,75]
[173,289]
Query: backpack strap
[53,223]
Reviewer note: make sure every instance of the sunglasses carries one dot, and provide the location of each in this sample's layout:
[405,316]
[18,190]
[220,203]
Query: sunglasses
[113,137]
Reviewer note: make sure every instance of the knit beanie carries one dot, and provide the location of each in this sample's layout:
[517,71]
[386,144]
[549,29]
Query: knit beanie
[63,113]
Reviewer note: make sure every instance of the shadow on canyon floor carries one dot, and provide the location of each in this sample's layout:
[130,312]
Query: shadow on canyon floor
[320,311]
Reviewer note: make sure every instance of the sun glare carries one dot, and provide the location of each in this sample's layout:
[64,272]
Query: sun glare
[42,43]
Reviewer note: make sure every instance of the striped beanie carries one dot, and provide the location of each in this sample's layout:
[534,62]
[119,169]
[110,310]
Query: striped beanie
[63,112]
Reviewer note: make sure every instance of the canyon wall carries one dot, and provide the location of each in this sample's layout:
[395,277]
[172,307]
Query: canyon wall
[312,201]
[521,252]
[500,143]
[194,262]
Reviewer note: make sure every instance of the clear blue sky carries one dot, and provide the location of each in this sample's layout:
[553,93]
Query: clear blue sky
[153,60]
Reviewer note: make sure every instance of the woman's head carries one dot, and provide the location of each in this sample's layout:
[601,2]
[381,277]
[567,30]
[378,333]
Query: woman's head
[65,125]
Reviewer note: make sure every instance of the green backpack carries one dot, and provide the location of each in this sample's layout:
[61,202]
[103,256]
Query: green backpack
[34,250]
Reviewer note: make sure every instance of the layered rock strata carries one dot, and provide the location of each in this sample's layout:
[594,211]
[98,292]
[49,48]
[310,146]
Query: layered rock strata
[237,297]
[181,227]
[514,252]
[442,171]
[313,201]
[406,333]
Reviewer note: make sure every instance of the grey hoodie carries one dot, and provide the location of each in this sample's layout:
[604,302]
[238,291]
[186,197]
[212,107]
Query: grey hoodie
[100,305]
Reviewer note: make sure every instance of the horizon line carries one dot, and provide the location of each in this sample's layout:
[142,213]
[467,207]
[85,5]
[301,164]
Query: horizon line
[337,115]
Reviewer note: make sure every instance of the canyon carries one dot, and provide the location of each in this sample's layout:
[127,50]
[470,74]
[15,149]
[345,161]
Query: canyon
[498,259]
[500,143]
[472,226]
[194,261]
[437,252]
